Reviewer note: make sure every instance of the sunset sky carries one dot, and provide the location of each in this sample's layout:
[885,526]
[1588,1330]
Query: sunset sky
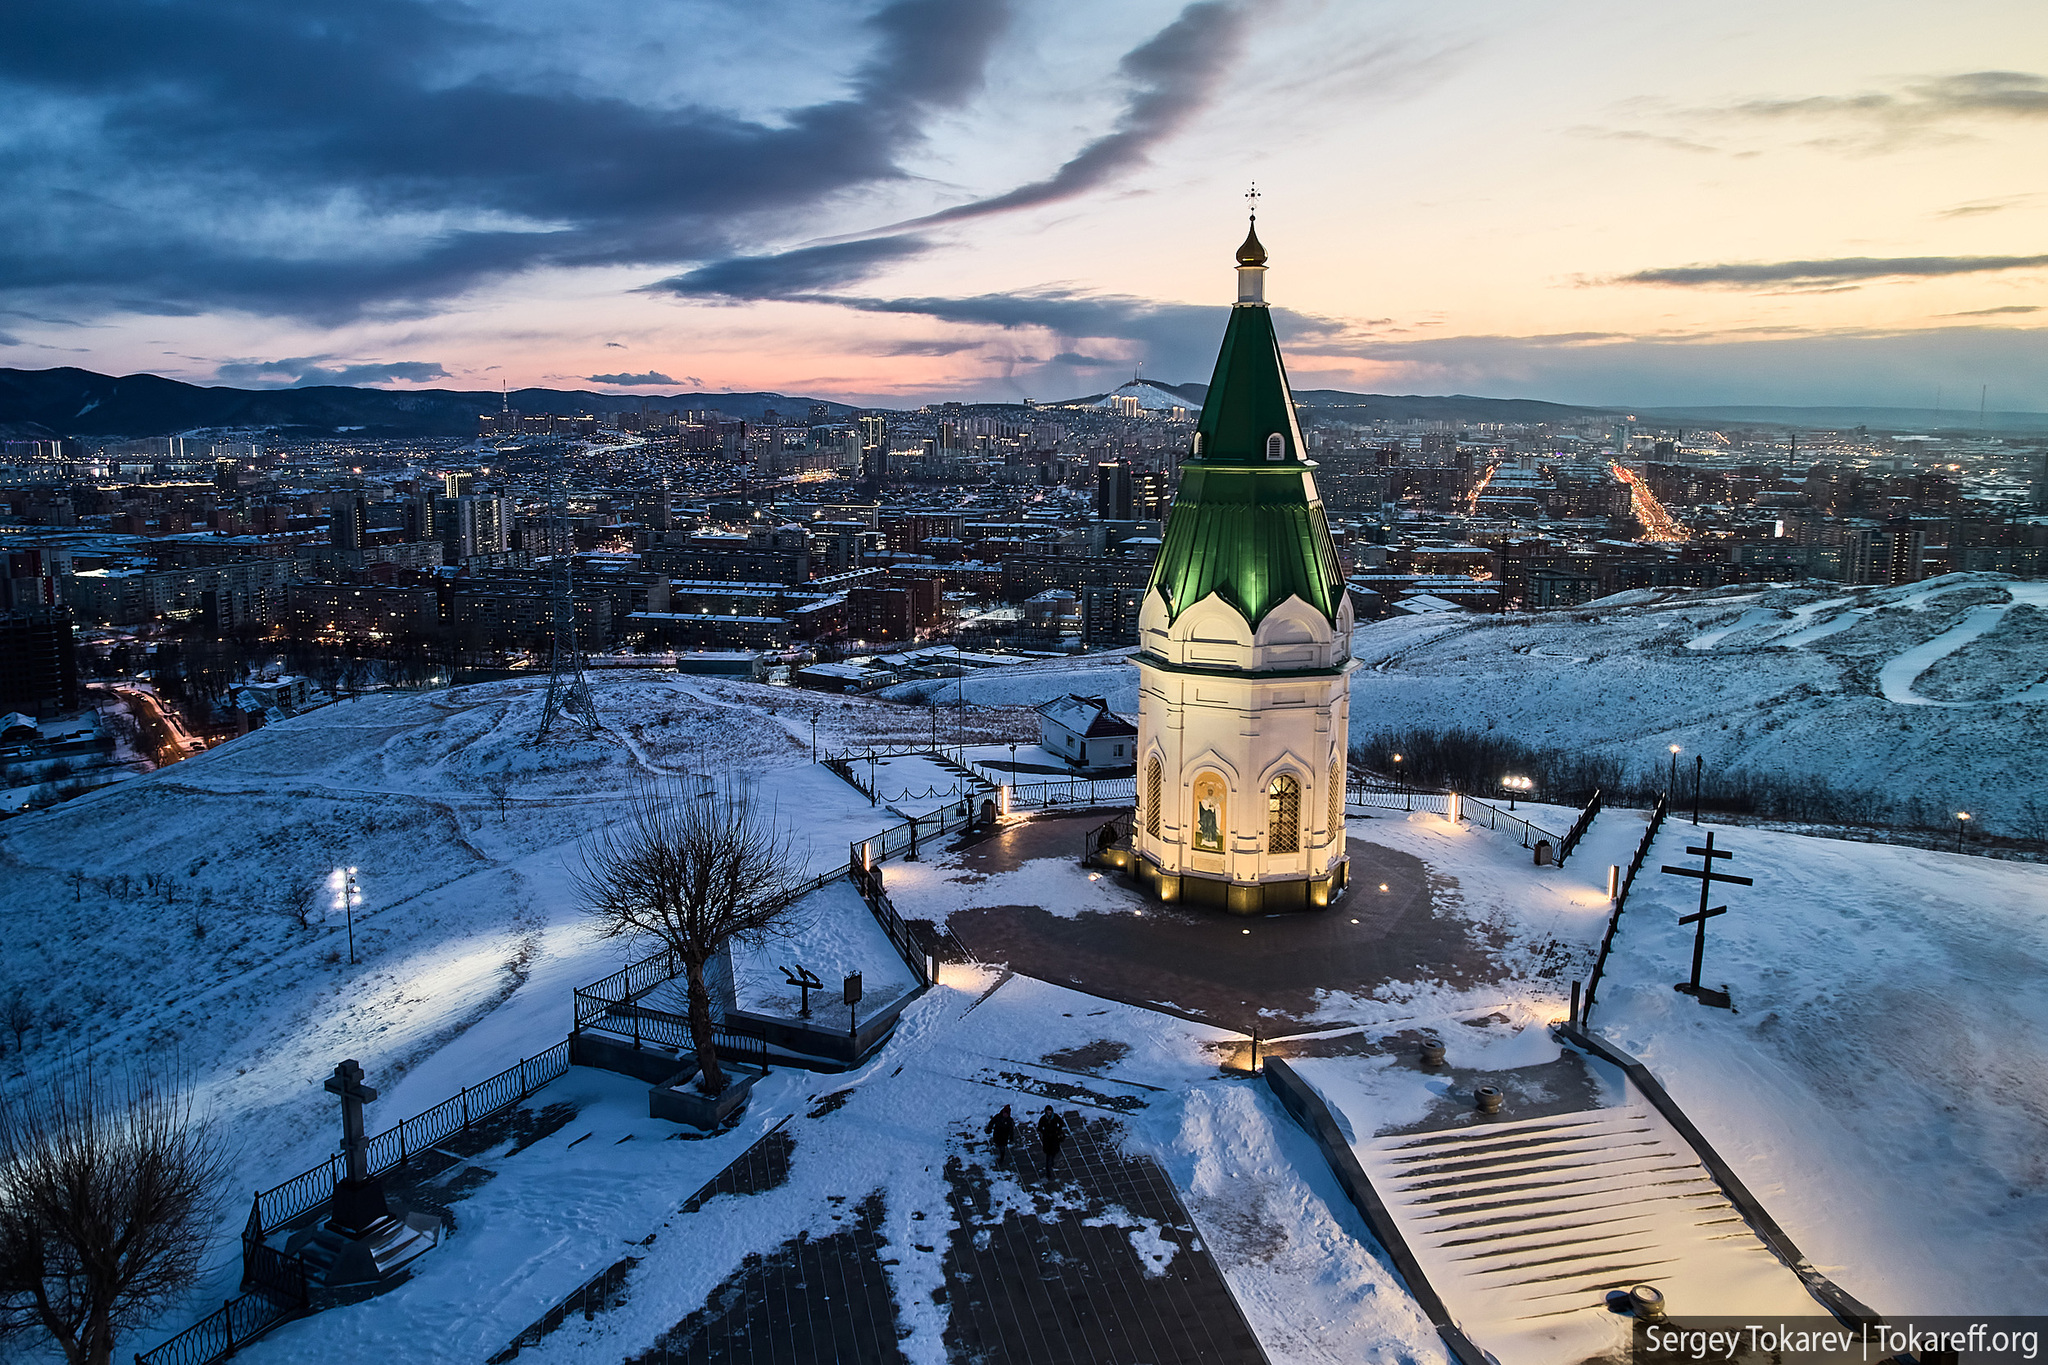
[1647,205]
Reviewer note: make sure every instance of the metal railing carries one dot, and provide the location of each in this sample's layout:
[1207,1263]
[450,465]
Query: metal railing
[394,1146]
[642,1023]
[1496,818]
[1579,828]
[907,837]
[869,883]
[1073,791]
[636,979]
[1398,798]
[279,1283]
[1635,865]
[221,1333]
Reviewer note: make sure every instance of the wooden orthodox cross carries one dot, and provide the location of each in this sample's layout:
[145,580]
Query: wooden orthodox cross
[347,1082]
[1707,877]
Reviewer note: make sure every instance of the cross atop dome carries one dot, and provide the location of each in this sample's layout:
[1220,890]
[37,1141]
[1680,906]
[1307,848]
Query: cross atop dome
[1252,254]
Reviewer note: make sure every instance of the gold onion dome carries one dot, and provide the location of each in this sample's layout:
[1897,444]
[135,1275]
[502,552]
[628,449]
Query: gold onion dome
[1251,253]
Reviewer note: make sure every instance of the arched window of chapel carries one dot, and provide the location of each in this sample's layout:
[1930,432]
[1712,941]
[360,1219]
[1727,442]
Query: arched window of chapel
[1283,816]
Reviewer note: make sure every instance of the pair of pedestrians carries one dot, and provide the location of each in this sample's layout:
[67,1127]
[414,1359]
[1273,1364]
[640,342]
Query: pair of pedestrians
[1052,1132]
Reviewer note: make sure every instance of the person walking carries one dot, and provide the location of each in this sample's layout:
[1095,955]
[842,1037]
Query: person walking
[1000,1130]
[1052,1131]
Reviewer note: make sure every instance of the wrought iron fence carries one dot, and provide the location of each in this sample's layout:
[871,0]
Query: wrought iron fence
[642,1023]
[636,979]
[222,1332]
[279,1283]
[1398,798]
[1496,818]
[907,837]
[1073,791]
[1579,828]
[869,883]
[1635,865]
[310,1189]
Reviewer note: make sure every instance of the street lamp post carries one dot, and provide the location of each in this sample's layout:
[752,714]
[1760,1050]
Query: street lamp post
[1407,796]
[1699,764]
[1671,787]
[348,902]
[814,736]
[1962,819]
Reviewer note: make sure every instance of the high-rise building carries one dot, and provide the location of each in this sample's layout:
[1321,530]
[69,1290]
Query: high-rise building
[1113,491]
[348,519]
[457,485]
[38,662]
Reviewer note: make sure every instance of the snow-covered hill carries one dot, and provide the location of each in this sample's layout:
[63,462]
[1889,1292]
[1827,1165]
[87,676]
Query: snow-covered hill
[201,910]
[1937,690]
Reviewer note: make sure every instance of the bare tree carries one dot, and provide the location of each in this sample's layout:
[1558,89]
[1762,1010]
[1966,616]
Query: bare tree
[499,785]
[693,868]
[18,1015]
[107,1198]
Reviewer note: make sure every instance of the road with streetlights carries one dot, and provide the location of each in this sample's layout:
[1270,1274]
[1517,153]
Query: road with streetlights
[1658,524]
[160,719]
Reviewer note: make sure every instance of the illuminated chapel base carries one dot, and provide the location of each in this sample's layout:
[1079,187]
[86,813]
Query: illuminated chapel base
[1241,777]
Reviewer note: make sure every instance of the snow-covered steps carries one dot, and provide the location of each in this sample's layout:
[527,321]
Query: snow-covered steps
[1524,1226]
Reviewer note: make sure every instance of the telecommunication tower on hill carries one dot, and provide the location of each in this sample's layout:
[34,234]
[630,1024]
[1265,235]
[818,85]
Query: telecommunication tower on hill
[568,689]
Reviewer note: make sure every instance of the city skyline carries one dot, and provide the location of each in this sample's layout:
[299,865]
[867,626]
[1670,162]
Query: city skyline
[991,202]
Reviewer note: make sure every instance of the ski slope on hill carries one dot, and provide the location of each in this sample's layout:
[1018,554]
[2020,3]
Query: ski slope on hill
[1936,689]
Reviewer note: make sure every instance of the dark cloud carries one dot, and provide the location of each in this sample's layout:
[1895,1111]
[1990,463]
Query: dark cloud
[1765,274]
[651,377]
[1993,312]
[149,137]
[2012,94]
[926,348]
[615,345]
[1083,362]
[1172,76]
[9,339]
[791,274]
[303,371]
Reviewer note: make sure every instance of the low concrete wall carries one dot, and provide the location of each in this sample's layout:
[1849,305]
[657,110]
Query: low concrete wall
[1300,1099]
[1831,1296]
[823,1049]
[645,1063]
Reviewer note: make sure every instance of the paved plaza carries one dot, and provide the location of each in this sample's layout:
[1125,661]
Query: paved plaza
[1242,972]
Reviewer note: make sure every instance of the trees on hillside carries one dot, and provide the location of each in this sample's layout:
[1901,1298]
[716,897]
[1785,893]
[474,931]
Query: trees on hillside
[108,1189]
[693,868]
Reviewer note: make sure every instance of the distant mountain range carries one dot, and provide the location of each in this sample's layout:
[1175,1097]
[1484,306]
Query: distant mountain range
[1457,407]
[73,402]
[70,402]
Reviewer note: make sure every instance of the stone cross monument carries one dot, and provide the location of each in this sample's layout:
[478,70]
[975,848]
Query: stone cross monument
[359,1198]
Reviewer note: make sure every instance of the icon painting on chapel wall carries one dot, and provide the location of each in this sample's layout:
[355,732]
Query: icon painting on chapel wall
[1209,813]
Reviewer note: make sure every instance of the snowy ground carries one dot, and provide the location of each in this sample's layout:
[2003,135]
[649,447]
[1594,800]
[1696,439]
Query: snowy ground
[1881,1085]
[1879,1088]
[202,909]
[1945,681]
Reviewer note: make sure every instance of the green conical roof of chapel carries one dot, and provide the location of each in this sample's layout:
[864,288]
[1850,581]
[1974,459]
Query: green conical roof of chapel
[1247,523]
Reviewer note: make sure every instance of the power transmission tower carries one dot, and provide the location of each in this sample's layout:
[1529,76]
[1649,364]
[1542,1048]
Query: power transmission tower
[568,689]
